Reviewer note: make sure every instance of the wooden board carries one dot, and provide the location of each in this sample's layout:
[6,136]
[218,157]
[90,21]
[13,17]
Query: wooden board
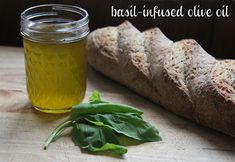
[24,130]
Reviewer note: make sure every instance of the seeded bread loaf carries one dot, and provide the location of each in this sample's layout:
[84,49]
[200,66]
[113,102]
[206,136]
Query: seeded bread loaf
[180,76]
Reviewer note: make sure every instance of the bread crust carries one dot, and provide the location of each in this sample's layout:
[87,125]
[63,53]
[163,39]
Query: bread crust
[181,76]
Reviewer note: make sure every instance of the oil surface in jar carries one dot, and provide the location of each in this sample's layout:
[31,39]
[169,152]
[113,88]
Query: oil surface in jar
[56,74]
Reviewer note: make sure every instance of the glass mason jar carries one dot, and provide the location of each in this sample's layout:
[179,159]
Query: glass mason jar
[55,58]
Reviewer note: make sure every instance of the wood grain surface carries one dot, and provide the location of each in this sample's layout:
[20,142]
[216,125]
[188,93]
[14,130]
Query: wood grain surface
[24,130]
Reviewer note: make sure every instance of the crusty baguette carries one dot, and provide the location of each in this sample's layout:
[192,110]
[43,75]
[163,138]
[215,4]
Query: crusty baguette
[180,76]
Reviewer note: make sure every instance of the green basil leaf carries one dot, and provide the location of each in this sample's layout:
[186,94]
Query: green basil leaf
[126,124]
[96,139]
[102,108]
[98,126]
[95,98]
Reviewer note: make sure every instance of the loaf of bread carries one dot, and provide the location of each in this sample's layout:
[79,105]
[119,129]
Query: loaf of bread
[180,76]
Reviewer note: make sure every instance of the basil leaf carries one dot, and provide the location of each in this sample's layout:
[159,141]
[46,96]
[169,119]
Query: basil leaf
[101,108]
[95,139]
[126,124]
[98,126]
[95,98]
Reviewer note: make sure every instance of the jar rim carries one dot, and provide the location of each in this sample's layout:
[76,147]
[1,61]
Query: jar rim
[84,20]
[54,23]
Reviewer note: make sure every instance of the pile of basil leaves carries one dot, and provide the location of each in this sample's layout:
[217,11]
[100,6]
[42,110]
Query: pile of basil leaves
[98,126]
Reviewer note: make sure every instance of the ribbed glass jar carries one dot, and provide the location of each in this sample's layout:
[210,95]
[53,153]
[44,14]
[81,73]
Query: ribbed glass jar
[55,58]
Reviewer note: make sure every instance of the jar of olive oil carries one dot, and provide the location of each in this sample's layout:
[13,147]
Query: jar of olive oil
[55,59]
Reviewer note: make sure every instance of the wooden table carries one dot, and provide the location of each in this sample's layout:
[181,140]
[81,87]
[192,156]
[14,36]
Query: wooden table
[24,130]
